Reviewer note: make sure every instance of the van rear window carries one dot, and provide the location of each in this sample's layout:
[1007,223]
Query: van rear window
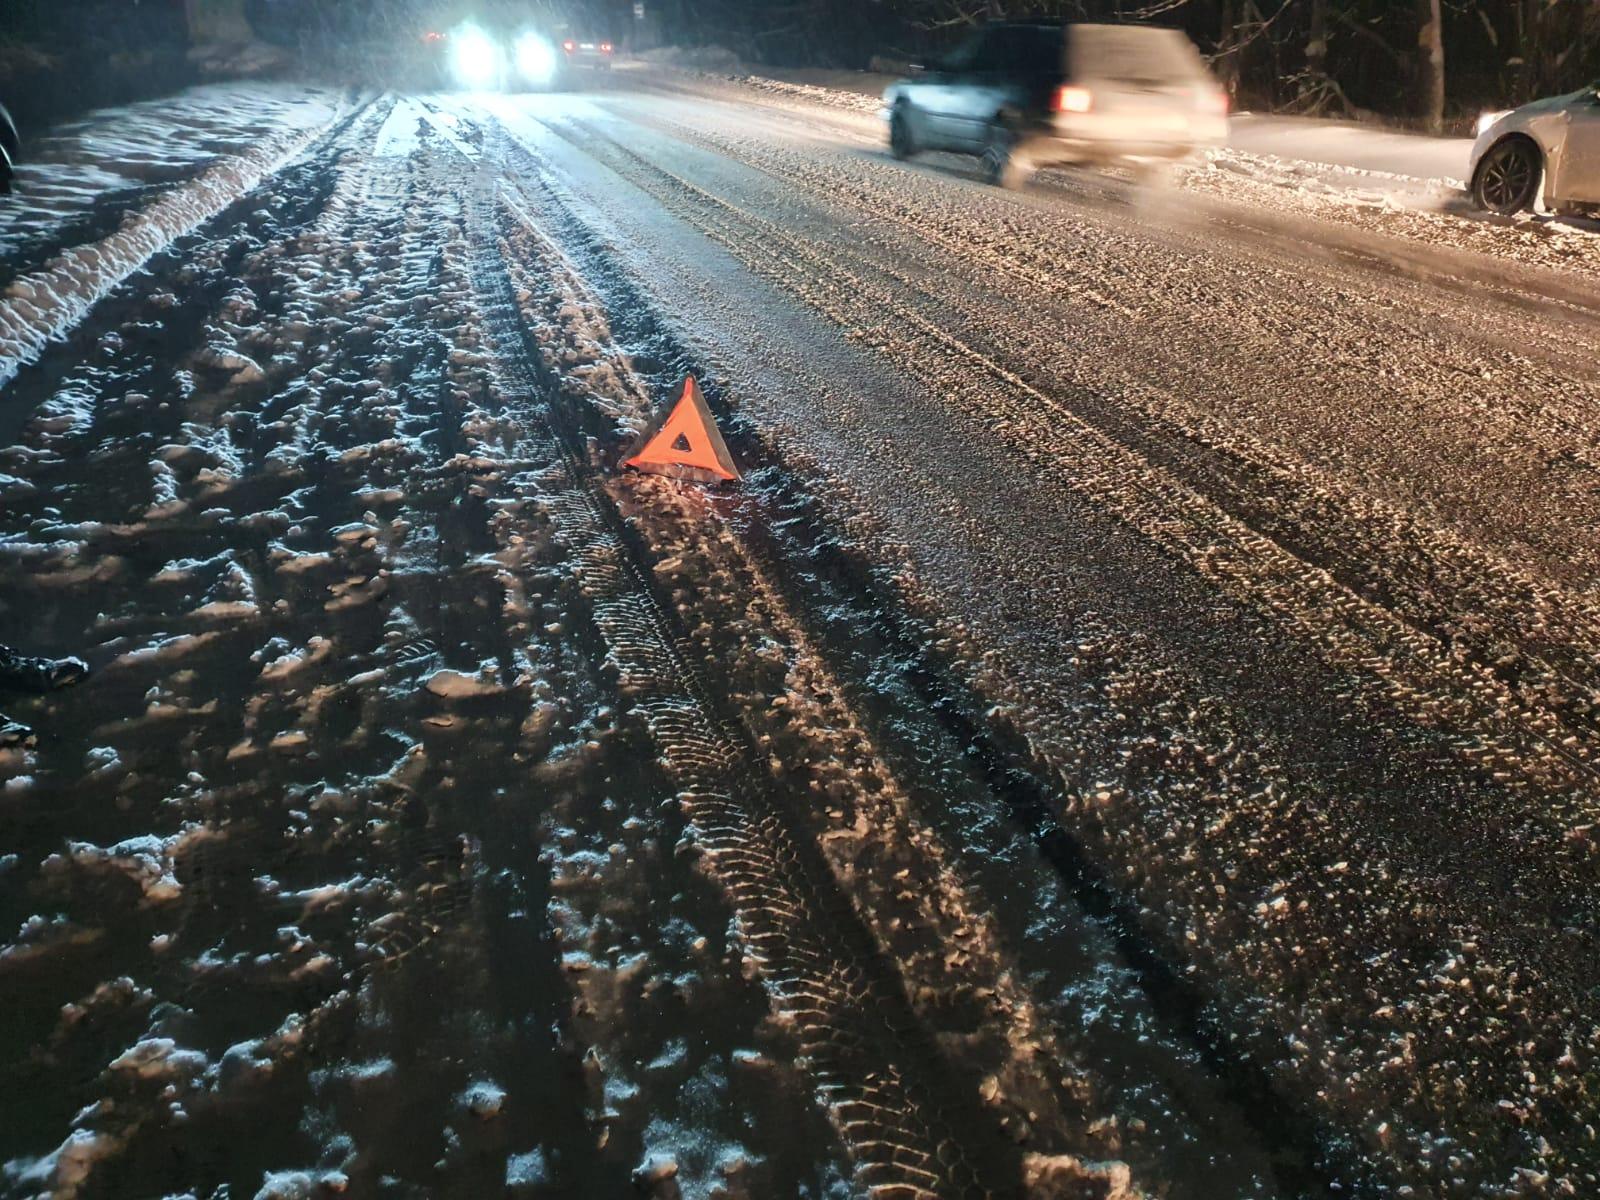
[1133,54]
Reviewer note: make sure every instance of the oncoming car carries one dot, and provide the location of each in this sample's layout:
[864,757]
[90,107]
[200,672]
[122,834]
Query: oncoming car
[479,58]
[1026,96]
[1549,150]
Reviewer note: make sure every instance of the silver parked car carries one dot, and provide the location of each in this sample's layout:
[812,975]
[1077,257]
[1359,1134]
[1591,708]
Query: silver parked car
[1026,96]
[1554,143]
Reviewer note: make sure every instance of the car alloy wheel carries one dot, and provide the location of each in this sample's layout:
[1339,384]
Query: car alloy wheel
[1508,177]
[1000,166]
[900,143]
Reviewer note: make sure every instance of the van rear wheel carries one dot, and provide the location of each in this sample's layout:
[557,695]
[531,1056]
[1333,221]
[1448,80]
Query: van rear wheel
[1001,166]
[901,143]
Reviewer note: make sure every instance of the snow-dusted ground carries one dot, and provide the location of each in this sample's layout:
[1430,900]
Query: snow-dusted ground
[109,163]
[1319,164]
[98,199]
[1131,734]
[1353,146]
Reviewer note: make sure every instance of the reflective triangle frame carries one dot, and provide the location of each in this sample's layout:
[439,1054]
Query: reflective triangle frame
[689,420]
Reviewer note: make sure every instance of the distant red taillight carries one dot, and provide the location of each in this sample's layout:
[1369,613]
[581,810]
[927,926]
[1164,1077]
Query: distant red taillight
[569,47]
[432,36]
[605,47]
[1072,100]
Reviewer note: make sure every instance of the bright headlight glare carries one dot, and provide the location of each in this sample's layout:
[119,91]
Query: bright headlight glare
[536,58]
[474,58]
[1489,118]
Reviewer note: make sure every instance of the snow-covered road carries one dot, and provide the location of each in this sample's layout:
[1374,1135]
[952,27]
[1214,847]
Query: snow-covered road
[1132,734]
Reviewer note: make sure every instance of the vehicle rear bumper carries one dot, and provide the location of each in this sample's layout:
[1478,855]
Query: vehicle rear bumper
[1109,141]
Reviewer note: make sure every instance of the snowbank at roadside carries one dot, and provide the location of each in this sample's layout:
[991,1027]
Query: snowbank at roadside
[238,60]
[94,162]
[1349,146]
[1337,181]
[1344,161]
[693,58]
[81,166]
[819,93]
[858,91]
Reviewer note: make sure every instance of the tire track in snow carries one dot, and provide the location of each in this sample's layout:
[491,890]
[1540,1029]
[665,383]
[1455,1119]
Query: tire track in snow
[1396,662]
[1476,604]
[375,867]
[932,918]
[1100,243]
[871,1059]
[1383,663]
[45,305]
[1443,246]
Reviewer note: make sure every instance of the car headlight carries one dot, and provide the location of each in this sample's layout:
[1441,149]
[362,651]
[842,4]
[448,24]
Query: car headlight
[535,58]
[474,58]
[1487,119]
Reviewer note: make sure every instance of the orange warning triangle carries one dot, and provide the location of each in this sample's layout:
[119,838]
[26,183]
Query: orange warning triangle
[686,444]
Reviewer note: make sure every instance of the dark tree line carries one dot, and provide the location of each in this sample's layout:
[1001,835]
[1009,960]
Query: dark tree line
[1429,60]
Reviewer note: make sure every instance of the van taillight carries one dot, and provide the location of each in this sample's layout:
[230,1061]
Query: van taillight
[1072,100]
[1213,101]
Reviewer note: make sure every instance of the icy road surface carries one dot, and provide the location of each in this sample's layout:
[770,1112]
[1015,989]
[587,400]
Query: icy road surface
[1133,734]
